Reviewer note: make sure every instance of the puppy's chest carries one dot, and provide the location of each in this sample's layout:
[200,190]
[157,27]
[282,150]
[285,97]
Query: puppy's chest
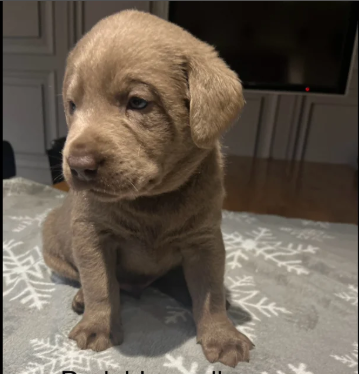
[149,240]
[135,256]
[145,247]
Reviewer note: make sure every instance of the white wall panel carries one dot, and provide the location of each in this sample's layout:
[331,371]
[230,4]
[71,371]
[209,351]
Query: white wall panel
[332,134]
[35,35]
[21,19]
[241,138]
[94,11]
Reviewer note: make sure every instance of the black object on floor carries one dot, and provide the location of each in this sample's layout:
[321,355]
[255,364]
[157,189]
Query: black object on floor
[8,161]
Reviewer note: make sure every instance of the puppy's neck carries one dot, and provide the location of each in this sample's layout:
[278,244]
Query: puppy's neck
[206,175]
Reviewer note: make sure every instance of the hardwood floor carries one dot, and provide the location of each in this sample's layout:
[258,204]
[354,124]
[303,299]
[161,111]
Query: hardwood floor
[319,192]
[62,186]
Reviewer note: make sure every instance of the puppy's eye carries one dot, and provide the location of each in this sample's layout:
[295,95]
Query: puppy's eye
[137,103]
[72,107]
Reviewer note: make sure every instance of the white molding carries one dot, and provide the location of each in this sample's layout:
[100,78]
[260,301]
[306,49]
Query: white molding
[304,126]
[160,9]
[296,111]
[271,123]
[35,161]
[71,23]
[44,45]
[302,117]
[79,20]
[36,170]
[265,127]
[258,133]
[353,64]
[257,149]
[45,79]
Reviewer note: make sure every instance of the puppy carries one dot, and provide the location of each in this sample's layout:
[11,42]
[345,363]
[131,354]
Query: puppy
[145,104]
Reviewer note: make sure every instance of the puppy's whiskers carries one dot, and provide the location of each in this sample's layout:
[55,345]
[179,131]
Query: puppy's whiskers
[132,185]
[128,180]
[58,177]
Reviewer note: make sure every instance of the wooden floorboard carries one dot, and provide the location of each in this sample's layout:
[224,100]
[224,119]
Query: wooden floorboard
[313,191]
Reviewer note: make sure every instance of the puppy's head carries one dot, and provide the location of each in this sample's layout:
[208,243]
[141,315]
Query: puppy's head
[145,101]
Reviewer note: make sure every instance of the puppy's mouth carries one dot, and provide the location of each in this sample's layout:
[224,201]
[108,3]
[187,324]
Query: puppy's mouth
[93,188]
[103,194]
[100,189]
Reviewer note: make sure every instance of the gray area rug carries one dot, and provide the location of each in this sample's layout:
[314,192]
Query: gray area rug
[296,279]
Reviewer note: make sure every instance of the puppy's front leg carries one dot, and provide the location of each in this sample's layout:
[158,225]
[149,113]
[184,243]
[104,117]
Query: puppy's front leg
[204,271]
[100,327]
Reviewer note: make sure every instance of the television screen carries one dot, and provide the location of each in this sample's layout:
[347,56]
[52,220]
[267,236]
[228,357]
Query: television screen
[277,45]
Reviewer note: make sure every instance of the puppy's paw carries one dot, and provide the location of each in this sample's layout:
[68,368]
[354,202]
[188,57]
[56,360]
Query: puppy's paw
[91,333]
[222,342]
[78,303]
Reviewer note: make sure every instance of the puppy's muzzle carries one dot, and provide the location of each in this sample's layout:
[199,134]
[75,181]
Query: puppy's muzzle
[83,167]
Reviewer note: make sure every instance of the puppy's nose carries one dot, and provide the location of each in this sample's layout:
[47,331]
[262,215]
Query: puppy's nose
[83,168]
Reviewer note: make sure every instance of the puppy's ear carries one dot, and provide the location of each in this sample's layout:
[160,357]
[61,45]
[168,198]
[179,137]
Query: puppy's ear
[216,97]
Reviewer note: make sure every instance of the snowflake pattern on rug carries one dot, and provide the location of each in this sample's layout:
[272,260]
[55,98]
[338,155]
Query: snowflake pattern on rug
[61,353]
[350,360]
[26,221]
[300,369]
[248,329]
[323,225]
[239,217]
[177,313]
[251,300]
[16,186]
[307,234]
[245,296]
[261,242]
[24,275]
[27,285]
[351,296]
[19,186]
[177,364]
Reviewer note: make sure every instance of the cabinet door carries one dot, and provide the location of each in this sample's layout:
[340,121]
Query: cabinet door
[37,36]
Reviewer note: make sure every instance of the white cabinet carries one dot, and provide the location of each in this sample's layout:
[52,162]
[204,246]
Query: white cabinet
[37,36]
